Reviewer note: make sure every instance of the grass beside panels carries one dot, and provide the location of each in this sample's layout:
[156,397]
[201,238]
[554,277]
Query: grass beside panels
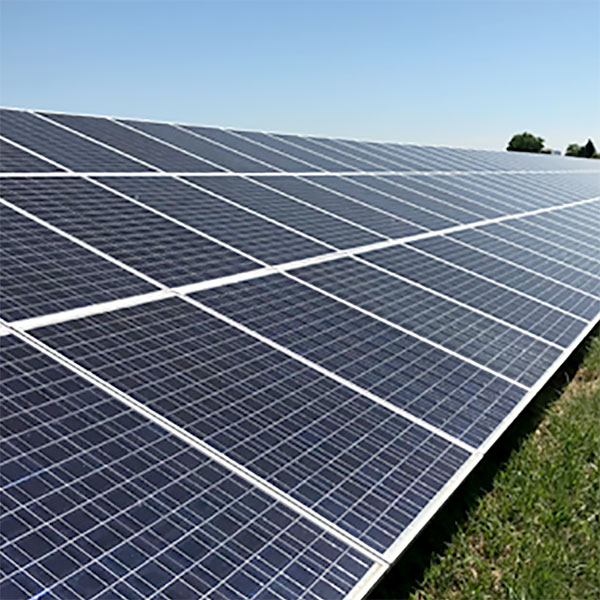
[535,533]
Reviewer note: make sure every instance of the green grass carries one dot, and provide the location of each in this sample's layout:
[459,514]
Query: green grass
[526,524]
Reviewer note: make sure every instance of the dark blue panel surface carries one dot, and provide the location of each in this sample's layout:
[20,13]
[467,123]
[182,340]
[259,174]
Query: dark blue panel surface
[241,229]
[455,327]
[488,205]
[15,160]
[271,141]
[419,184]
[99,502]
[43,272]
[396,190]
[395,366]
[349,161]
[314,194]
[270,158]
[135,144]
[359,150]
[359,465]
[223,158]
[159,248]
[306,219]
[548,247]
[536,261]
[546,229]
[62,146]
[513,308]
[349,186]
[541,288]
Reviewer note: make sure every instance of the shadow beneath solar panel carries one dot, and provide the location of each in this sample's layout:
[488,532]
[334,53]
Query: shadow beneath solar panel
[406,575]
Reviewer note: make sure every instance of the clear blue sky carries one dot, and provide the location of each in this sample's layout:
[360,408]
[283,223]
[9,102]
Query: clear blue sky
[450,72]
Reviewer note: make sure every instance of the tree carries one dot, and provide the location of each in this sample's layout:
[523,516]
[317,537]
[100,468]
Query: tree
[525,142]
[588,150]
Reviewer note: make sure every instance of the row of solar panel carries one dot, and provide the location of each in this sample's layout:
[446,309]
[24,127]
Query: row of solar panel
[223,238]
[100,502]
[136,146]
[358,386]
[465,292]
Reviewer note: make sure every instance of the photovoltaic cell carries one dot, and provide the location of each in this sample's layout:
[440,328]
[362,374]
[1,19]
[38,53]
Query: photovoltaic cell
[485,204]
[348,160]
[413,213]
[475,336]
[504,304]
[100,502]
[43,272]
[241,229]
[225,159]
[548,247]
[346,147]
[545,229]
[269,157]
[274,143]
[529,283]
[535,261]
[359,465]
[429,203]
[141,239]
[135,144]
[395,366]
[312,193]
[62,146]
[411,346]
[418,184]
[322,227]
[15,160]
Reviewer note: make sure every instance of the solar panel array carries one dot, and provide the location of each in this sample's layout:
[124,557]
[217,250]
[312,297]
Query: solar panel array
[239,364]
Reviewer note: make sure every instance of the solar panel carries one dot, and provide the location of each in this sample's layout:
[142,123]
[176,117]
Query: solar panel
[15,160]
[248,365]
[100,501]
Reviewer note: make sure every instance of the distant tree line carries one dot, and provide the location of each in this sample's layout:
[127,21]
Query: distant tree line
[527,142]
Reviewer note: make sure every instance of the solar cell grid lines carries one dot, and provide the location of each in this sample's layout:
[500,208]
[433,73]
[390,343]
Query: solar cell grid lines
[238,364]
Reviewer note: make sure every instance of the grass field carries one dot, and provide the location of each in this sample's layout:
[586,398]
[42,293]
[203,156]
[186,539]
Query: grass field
[526,524]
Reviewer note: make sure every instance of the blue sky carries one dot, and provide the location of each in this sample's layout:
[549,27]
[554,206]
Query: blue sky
[442,72]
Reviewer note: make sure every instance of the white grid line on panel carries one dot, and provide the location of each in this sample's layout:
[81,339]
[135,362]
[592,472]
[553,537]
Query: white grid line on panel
[551,240]
[365,204]
[234,150]
[408,535]
[94,140]
[317,208]
[255,213]
[343,147]
[404,330]
[253,333]
[37,155]
[304,135]
[478,311]
[498,283]
[157,172]
[569,232]
[352,252]
[440,200]
[203,447]
[281,152]
[174,220]
[165,143]
[333,376]
[547,257]
[315,152]
[523,267]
